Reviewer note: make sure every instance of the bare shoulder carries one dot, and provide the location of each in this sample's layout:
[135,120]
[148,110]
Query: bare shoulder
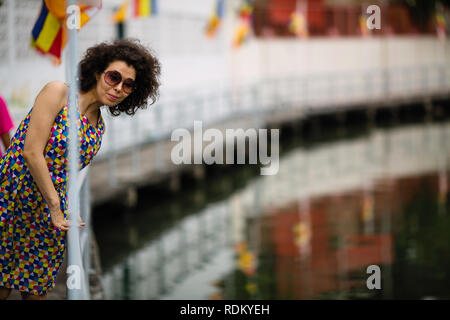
[56,87]
[52,97]
[49,102]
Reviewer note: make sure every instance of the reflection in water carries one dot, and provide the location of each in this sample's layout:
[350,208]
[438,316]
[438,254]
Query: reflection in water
[309,232]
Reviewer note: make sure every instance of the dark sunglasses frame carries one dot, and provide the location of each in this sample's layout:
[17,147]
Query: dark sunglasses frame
[128,84]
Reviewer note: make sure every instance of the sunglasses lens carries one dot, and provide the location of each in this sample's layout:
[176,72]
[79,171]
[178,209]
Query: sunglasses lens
[112,78]
[128,85]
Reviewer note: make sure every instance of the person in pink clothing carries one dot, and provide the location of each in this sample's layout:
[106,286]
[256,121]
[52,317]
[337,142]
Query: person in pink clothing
[6,124]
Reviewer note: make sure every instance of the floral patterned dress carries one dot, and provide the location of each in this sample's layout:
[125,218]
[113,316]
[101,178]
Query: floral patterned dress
[31,250]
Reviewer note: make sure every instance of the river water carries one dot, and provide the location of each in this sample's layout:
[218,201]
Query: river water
[354,214]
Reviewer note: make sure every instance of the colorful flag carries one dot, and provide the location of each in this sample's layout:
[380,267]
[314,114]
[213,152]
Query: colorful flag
[89,9]
[122,13]
[298,25]
[363,25]
[145,8]
[246,11]
[441,26]
[215,19]
[49,34]
[46,35]
[243,30]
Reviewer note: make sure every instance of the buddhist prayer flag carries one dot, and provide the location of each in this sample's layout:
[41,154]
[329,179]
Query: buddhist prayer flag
[215,19]
[49,34]
[363,25]
[122,13]
[246,11]
[88,10]
[441,26]
[298,25]
[145,8]
[135,9]
[244,28]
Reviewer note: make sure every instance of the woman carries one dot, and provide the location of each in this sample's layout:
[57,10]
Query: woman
[122,75]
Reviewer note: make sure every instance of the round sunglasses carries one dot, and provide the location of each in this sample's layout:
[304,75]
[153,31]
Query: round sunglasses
[113,78]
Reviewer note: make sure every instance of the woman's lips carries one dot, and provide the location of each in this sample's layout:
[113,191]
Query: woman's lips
[111,97]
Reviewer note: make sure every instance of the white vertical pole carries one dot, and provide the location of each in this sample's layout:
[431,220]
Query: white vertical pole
[75,281]
[85,234]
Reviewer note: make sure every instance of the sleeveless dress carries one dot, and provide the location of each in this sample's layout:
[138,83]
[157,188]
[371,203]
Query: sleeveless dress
[32,251]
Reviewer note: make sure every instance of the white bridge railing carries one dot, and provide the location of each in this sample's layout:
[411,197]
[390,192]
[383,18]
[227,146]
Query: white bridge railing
[305,95]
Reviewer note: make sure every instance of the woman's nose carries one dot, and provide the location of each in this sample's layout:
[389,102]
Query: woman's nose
[118,87]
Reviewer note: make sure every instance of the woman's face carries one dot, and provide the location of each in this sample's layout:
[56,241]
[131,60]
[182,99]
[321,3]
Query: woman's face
[111,93]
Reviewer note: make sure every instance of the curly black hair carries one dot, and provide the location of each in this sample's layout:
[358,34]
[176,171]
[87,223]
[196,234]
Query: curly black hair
[147,66]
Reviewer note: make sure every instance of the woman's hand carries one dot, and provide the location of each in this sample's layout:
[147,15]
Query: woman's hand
[58,220]
[81,223]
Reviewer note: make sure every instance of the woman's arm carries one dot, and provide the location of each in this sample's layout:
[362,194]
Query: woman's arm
[48,104]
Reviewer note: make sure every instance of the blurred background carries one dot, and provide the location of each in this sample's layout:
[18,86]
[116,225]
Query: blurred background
[364,155]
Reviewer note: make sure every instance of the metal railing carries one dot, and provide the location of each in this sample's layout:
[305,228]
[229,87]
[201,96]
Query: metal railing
[76,241]
[85,237]
[305,95]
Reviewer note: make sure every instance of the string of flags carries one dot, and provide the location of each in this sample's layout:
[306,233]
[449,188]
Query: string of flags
[145,8]
[49,33]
